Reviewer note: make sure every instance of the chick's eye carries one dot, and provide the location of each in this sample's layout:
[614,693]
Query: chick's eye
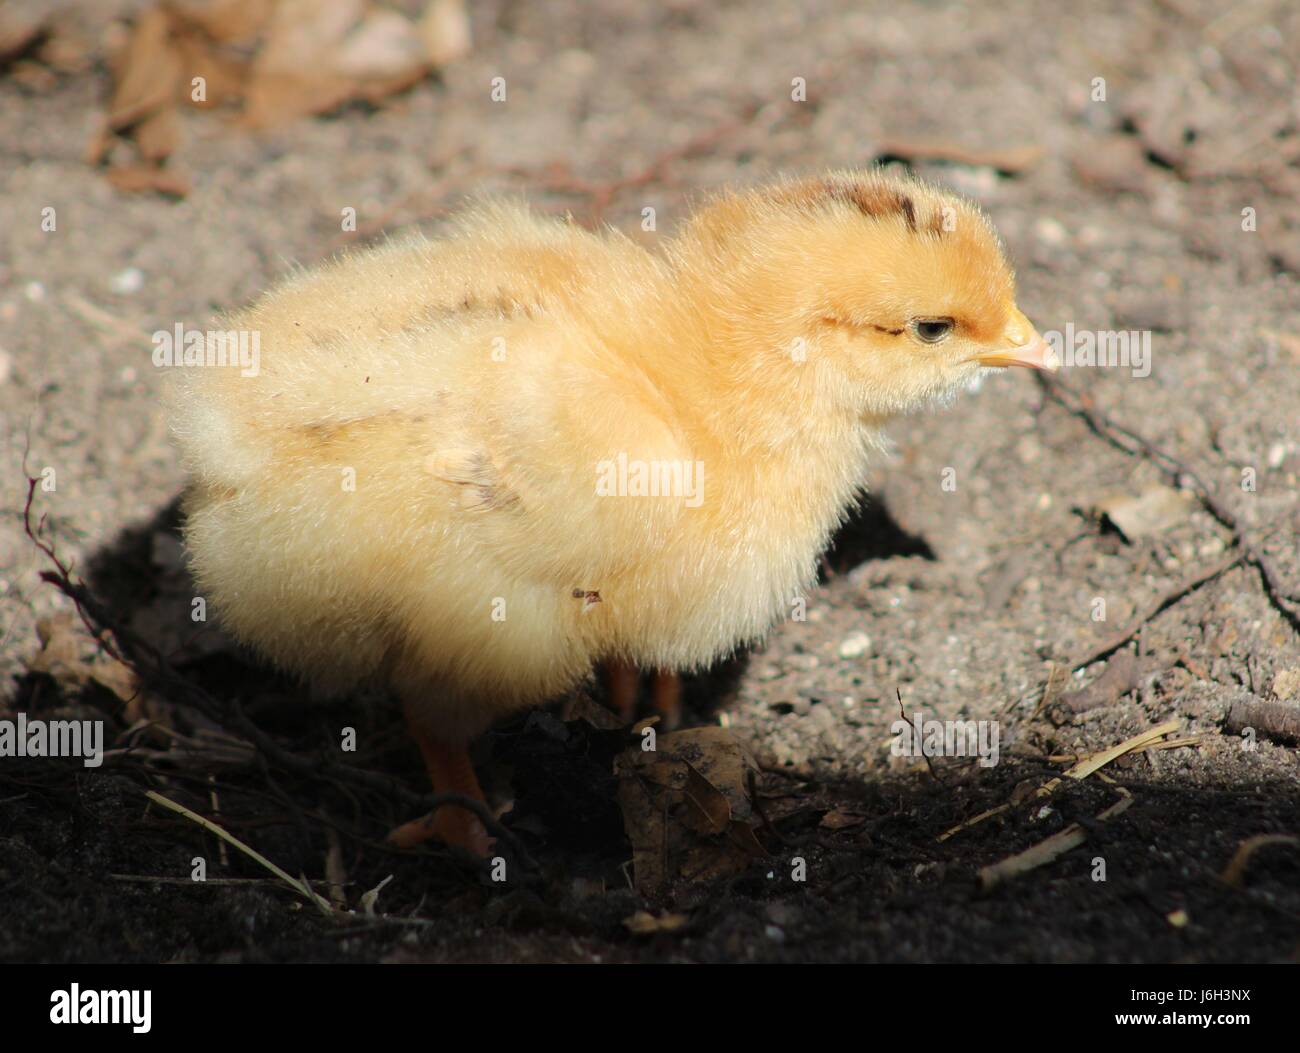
[932,330]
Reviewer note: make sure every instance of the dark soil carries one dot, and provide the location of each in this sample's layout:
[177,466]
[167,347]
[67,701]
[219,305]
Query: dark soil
[972,599]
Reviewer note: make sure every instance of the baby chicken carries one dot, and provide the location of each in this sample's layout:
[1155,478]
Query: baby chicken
[471,468]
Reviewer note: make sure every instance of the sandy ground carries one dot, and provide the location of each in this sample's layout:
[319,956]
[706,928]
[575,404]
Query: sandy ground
[968,597]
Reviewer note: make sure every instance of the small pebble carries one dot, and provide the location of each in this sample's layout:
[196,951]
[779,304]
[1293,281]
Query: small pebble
[1050,231]
[34,291]
[855,645]
[803,662]
[128,281]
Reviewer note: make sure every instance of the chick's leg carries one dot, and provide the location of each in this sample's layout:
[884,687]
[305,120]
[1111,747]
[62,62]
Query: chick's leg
[621,682]
[450,771]
[666,696]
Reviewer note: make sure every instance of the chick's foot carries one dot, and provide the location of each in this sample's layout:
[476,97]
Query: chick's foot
[450,771]
[451,825]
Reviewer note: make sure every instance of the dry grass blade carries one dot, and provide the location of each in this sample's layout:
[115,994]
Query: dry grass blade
[1082,769]
[1235,871]
[1091,764]
[1049,850]
[300,887]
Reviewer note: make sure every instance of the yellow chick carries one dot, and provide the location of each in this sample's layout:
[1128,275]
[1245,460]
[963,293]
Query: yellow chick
[470,468]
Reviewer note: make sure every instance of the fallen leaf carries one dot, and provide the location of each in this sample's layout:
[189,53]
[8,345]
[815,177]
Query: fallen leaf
[60,658]
[686,808]
[19,37]
[444,31]
[1157,508]
[225,21]
[837,820]
[643,923]
[1125,672]
[135,178]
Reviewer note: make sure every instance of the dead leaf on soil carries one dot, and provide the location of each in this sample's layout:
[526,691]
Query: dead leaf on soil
[643,923]
[1125,672]
[60,658]
[1155,509]
[19,37]
[686,808]
[278,60]
[838,820]
[319,54]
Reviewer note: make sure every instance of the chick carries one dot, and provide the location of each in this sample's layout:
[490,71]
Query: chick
[470,468]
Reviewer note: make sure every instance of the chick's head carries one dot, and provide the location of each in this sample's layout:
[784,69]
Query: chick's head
[895,293]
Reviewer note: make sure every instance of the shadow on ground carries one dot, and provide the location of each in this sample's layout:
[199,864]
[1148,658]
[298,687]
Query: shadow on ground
[91,871]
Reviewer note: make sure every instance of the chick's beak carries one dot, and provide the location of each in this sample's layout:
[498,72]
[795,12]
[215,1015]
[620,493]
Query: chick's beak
[1024,347]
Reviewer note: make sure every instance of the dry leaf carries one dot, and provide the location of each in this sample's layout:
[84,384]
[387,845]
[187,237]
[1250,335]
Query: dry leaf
[384,45]
[225,21]
[147,72]
[837,820]
[136,178]
[281,60]
[686,808]
[318,54]
[1155,509]
[19,37]
[60,658]
[444,31]
[643,923]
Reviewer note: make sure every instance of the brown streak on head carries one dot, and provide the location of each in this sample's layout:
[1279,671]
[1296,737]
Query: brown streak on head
[873,201]
[909,210]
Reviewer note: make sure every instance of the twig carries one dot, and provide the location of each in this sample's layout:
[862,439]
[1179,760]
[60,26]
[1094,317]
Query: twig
[1080,770]
[928,763]
[232,882]
[1081,405]
[153,668]
[1279,721]
[1166,599]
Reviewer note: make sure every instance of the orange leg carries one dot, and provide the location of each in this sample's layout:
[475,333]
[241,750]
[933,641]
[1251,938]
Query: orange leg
[450,771]
[621,682]
[666,694]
